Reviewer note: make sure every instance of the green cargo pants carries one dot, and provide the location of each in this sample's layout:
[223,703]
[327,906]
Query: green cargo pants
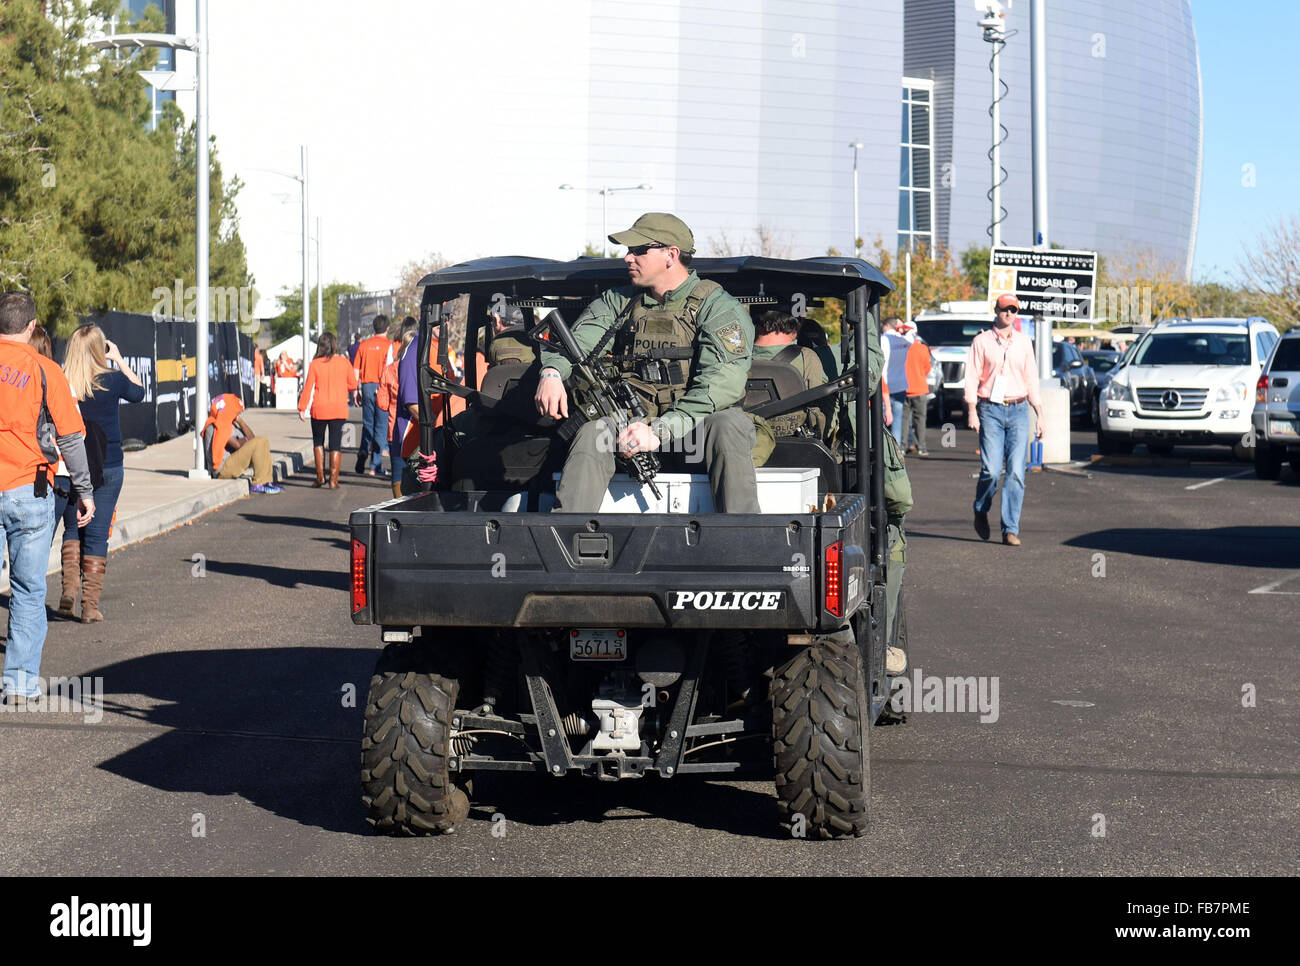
[722,441]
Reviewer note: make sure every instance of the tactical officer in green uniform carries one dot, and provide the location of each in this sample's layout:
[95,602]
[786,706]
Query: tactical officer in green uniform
[685,345]
[774,341]
[508,343]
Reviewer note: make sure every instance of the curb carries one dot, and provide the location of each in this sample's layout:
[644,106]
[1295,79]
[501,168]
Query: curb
[168,516]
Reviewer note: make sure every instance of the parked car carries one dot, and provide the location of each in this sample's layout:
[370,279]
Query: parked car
[1103,363]
[1187,382]
[1276,418]
[1069,366]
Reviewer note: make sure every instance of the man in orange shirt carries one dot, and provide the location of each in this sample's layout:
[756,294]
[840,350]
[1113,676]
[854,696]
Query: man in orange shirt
[1001,385]
[218,435]
[37,413]
[373,354]
[918,390]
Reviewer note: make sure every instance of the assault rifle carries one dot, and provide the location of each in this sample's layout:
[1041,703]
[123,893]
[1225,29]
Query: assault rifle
[607,394]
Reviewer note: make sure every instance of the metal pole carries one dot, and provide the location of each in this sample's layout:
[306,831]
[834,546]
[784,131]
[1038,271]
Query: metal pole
[909,287]
[320,287]
[306,263]
[604,222]
[996,152]
[1038,95]
[201,189]
[857,249]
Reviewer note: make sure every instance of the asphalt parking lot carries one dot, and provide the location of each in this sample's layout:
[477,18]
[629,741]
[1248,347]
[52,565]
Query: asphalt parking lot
[1142,641]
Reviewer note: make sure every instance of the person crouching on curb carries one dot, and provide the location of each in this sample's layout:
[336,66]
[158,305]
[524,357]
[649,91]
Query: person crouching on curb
[37,415]
[330,378]
[1001,385]
[230,455]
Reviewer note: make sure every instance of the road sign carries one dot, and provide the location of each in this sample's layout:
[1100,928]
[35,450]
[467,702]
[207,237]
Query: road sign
[1051,283]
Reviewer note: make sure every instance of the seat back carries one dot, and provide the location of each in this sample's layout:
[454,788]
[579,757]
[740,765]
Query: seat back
[770,380]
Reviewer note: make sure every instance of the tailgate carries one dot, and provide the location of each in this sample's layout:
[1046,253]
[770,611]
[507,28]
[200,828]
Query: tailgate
[452,567]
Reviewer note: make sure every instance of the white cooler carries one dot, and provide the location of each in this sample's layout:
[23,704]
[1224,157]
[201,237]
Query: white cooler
[780,490]
[286,393]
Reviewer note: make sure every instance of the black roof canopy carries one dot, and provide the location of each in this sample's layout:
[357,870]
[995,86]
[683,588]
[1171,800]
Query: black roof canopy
[520,276]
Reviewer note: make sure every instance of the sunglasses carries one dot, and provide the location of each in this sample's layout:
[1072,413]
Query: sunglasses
[642,249]
[1008,308]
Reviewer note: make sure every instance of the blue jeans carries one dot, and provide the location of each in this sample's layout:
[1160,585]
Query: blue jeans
[896,410]
[374,430]
[28,526]
[1004,438]
[94,535]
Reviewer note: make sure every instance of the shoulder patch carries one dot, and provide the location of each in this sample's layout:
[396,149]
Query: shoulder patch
[733,338]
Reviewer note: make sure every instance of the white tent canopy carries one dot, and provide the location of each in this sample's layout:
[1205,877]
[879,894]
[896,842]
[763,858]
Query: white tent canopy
[292,346]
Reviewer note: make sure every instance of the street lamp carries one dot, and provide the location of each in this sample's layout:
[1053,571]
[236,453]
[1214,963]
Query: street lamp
[604,193]
[306,257]
[198,45]
[856,146]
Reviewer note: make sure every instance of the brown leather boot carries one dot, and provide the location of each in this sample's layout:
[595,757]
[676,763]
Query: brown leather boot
[71,577]
[320,466]
[92,584]
[336,460]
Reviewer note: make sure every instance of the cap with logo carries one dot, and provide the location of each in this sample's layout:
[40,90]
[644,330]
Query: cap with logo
[1008,300]
[657,227]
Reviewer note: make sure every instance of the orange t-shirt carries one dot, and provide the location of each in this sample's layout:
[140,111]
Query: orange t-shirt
[918,368]
[332,379]
[20,407]
[223,412]
[372,356]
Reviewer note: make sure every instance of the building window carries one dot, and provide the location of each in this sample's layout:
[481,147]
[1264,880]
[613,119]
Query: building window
[916,168]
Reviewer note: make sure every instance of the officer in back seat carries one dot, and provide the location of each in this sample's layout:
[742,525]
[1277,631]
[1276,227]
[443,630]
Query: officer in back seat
[508,343]
[774,341]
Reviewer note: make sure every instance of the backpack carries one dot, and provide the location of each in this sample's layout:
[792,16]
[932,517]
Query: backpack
[95,439]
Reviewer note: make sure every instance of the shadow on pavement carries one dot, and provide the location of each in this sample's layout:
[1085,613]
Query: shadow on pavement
[311,523]
[269,725]
[538,801]
[287,577]
[1236,546]
[273,727]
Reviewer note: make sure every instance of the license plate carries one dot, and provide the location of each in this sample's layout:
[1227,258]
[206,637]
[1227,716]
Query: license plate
[1282,427]
[597,644]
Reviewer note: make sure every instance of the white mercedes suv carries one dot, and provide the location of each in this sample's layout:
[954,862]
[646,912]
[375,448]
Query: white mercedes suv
[1189,381]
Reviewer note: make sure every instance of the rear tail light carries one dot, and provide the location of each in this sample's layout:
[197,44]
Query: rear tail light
[1261,389]
[358,576]
[835,579]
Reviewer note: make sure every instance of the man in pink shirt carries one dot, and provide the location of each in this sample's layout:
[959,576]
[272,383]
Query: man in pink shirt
[1001,385]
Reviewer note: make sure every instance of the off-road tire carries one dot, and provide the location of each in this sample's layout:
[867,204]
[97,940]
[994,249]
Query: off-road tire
[1243,454]
[821,743]
[1268,462]
[406,785]
[1110,444]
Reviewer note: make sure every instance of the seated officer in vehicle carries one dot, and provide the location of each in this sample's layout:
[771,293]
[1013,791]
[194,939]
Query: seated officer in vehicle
[685,345]
[775,335]
[508,342]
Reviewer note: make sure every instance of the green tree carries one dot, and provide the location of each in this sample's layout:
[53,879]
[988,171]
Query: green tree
[975,268]
[96,211]
[289,323]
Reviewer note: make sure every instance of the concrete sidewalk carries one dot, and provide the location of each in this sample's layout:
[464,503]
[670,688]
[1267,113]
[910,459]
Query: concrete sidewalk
[157,493]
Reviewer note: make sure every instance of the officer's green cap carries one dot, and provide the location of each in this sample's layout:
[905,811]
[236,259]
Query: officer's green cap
[657,227]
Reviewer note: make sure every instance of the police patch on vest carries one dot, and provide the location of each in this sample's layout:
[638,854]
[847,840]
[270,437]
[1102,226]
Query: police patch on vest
[733,338]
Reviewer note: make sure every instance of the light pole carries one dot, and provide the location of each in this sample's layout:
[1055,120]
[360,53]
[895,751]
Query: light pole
[197,45]
[856,146]
[1038,95]
[604,192]
[306,241]
[993,27]
[320,288]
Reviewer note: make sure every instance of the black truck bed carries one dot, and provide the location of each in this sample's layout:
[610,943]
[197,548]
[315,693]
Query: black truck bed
[457,559]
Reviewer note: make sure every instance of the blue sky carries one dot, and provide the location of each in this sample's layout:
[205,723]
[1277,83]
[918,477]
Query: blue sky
[1250,82]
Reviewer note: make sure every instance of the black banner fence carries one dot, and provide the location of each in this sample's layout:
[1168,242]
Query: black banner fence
[162,353]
